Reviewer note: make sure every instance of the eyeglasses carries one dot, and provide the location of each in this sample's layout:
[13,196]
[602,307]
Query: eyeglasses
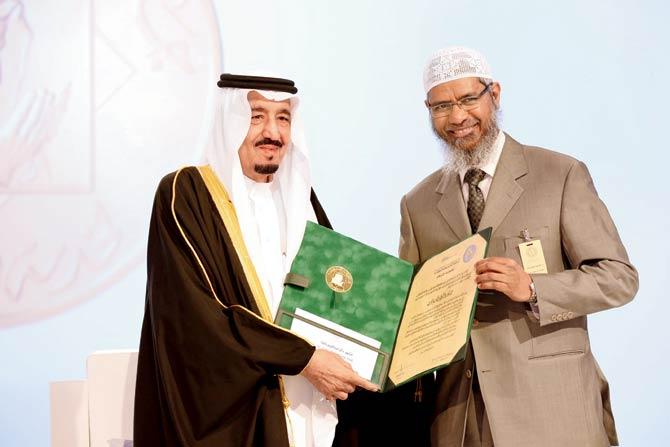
[467,103]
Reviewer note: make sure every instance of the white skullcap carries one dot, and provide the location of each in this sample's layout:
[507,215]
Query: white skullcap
[451,63]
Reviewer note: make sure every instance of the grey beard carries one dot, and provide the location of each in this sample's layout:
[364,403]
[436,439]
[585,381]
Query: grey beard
[457,159]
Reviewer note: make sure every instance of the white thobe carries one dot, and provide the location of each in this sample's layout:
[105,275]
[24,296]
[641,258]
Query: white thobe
[312,418]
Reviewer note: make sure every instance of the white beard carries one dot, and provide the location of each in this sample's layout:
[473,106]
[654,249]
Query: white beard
[457,159]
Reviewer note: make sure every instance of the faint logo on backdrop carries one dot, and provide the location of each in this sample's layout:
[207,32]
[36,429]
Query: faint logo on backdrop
[95,105]
[30,115]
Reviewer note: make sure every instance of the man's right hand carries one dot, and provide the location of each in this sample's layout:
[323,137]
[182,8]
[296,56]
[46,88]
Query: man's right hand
[333,377]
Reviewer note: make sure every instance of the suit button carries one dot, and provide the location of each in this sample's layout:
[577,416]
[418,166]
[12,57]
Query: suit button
[553,317]
[475,323]
[565,315]
[570,315]
[559,317]
[468,374]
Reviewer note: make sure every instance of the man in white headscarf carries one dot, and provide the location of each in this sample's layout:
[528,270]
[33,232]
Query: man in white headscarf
[529,378]
[213,369]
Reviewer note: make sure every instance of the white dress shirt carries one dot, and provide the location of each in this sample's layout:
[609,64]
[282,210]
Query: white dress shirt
[489,168]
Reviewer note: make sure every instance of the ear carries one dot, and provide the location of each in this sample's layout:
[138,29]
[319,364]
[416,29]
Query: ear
[495,93]
[425,101]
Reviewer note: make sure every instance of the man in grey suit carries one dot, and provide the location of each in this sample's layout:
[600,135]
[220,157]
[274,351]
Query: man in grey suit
[529,377]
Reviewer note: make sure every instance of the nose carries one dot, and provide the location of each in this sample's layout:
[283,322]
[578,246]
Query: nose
[271,129]
[457,115]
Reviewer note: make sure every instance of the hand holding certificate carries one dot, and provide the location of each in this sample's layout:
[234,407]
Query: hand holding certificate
[385,319]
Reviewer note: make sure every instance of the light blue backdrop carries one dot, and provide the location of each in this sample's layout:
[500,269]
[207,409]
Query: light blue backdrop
[585,78]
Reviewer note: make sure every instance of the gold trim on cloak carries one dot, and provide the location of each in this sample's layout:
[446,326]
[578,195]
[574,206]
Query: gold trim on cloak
[232,224]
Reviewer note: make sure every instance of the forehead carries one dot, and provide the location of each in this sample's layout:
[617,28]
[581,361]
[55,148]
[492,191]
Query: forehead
[257,100]
[452,90]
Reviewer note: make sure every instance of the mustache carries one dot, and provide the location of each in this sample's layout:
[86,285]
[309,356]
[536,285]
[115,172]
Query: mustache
[463,125]
[266,141]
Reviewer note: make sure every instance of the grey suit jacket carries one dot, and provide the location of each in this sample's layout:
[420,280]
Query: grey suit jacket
[539,380]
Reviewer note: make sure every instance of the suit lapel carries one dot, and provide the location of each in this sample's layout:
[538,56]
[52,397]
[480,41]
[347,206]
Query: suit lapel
[505,191]
[451,205]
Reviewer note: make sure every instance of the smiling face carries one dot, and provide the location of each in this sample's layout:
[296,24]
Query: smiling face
[465,129]
[268,138]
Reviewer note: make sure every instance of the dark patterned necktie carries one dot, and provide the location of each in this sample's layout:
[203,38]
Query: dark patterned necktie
[476,198]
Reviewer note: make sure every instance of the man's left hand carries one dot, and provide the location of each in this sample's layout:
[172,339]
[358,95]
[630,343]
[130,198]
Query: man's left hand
[505,276]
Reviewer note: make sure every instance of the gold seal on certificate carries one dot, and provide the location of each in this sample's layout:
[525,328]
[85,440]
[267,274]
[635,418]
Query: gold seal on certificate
[339,279]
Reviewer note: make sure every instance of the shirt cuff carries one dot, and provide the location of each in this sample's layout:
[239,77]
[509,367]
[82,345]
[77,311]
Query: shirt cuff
[536,310]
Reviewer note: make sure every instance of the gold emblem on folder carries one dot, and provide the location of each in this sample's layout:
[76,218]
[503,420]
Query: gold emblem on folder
[338,279]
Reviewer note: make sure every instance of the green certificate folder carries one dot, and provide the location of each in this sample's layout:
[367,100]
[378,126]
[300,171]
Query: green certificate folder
[372,308]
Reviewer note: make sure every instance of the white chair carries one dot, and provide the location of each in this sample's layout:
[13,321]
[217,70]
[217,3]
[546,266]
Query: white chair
[97,412]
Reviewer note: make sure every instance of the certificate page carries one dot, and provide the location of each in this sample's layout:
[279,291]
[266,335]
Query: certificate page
[325,336]
[436,320]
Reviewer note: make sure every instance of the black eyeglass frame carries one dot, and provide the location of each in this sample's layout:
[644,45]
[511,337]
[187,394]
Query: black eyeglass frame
[443,109]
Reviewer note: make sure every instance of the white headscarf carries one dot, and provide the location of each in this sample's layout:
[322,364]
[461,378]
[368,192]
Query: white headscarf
[232,118]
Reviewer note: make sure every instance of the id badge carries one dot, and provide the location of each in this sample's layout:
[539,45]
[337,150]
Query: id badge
[532,257]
